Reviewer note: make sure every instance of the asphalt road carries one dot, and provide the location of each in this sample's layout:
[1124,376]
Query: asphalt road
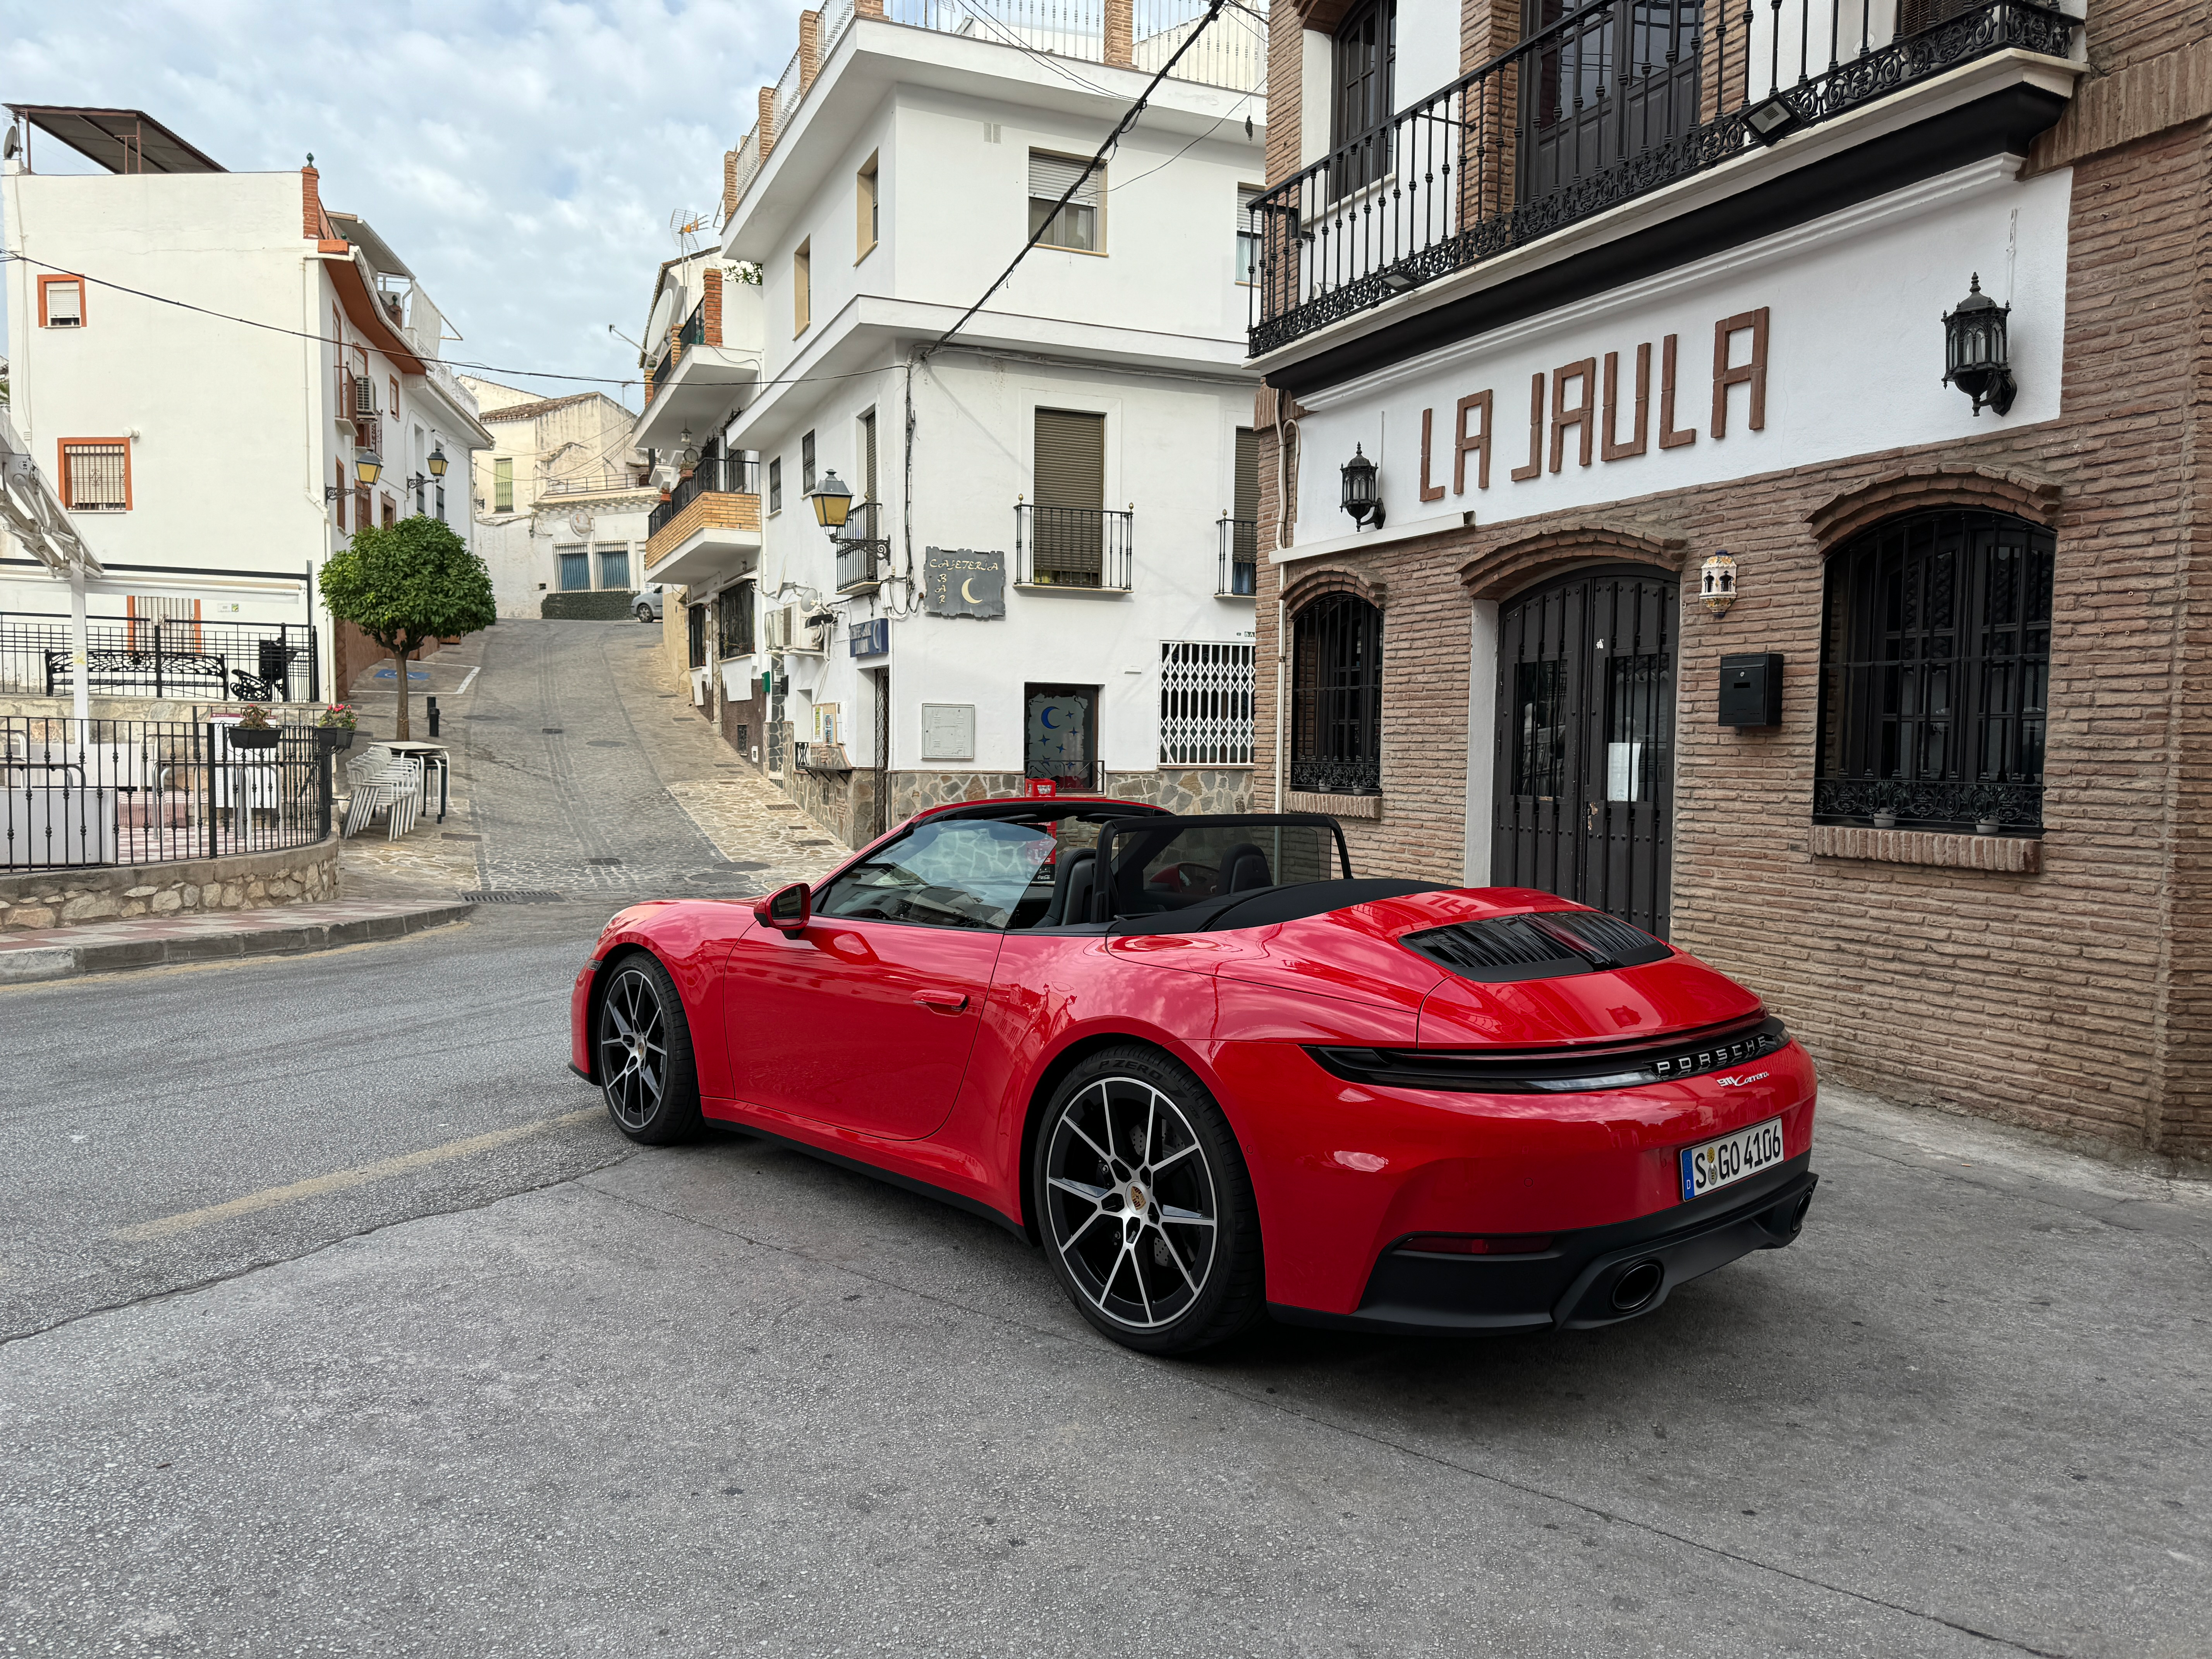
[334,1319]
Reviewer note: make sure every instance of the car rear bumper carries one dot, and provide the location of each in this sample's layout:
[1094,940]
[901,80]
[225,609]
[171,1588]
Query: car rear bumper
[1581,1281]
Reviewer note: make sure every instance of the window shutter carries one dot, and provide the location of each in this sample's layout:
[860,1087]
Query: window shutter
[868,456]
[1246,195]
[1071,458]
[1050,175]
[1248,474]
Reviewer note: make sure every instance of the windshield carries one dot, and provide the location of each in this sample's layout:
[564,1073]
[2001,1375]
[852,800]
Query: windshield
[1175,863]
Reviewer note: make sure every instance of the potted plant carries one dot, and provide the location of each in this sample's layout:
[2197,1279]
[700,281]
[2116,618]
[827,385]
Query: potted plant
[335,728]
[1987,802]
[255,730]
[1884,801]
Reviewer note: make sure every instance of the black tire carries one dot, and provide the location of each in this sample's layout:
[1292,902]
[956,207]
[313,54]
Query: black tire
[1154,1234]
[644,613]
[647,1073]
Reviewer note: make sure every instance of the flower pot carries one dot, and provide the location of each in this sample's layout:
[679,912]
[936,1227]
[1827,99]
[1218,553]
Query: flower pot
[328,737]
[1884,820]
[1986,826]
[248,736]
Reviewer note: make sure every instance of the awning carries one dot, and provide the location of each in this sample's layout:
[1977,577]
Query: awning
[121,140]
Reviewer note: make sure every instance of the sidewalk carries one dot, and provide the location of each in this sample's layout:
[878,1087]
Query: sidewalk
[100,947]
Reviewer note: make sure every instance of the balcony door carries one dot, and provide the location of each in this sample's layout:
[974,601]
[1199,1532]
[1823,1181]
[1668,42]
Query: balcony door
[1597,93]
[1585,738]
[1070,498]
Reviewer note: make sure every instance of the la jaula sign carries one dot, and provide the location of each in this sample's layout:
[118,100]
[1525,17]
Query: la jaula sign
[959,581]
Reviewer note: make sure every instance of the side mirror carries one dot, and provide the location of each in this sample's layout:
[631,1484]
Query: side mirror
[788,910]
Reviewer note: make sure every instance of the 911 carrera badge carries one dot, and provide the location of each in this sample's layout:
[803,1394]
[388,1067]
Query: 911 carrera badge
[1738,1082]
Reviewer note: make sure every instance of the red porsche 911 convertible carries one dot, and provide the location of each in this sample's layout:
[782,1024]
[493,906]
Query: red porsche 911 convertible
[1210,1074]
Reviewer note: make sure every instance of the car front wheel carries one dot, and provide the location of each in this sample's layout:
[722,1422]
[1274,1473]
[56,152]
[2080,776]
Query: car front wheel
[646,1068]
[1146,1205]
[644,613]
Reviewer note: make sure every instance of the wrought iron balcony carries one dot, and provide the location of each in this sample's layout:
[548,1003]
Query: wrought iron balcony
[1086,547]
[863,553]
[732,474]
[1609,103]
[1238,576]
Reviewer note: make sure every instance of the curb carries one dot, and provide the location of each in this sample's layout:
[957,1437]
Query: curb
[51,962]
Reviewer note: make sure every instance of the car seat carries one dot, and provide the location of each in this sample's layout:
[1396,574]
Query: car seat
[1072,882]
[1243,867]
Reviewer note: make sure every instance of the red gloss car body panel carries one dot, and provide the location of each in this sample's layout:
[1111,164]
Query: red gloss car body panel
[1340,1170]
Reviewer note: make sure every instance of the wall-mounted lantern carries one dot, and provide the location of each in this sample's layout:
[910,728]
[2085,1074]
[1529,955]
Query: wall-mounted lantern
[1360,496]
[1717,585]
[438,462]
[1976,353]
[368,466]
[832,502]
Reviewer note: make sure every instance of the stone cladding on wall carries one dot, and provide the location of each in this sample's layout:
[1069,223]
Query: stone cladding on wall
[245,881]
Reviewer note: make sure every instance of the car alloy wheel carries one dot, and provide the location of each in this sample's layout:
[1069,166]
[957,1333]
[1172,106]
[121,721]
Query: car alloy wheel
[645,1062]
[1144,1205]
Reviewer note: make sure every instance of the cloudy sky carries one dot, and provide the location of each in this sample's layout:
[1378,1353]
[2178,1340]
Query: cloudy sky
[524,158]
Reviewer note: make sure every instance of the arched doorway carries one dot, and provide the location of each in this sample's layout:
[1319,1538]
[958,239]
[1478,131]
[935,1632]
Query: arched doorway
[1585,735]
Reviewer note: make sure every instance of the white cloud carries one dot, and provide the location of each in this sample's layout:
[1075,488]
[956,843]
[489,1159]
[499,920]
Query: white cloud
[523,158]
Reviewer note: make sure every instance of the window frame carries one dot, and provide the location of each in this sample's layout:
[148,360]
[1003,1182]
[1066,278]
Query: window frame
[802,287]
[807,475]
[774,485]
[62,447]
[737,601]
[1320,761]
[1248,236]
[564,551]
[1096,182]
[867,228]
[1881,654]
[502,484]
[58,279]
[1372,121]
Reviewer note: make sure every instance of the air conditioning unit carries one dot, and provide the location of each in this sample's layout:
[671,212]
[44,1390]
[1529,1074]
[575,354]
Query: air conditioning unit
[776,627]
[364,395]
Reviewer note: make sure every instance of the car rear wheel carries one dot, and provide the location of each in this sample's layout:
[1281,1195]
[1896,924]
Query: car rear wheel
[645,1069]
[1146,1205]
[644,613]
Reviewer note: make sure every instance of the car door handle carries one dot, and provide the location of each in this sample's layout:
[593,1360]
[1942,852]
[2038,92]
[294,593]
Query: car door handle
[944,1002]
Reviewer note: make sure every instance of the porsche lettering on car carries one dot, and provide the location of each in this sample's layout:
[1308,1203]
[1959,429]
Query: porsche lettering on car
[1214,1076]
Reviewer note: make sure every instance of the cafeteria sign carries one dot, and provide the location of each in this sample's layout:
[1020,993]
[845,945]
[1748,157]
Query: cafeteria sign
[959,581]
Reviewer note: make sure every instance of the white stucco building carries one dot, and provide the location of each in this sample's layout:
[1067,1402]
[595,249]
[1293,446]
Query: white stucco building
[1046,573]
[560,500]
[219,448]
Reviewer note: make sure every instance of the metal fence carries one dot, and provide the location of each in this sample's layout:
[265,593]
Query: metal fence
[1237,575]
[78,793]
[162,657]
[730,474]
[1073,547]
[863,550]
[1605,103]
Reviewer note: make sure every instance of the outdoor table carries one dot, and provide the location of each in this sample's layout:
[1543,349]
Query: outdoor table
[430,754]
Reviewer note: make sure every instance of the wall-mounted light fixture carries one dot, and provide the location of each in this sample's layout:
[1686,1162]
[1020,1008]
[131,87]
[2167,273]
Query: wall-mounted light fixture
[368,466]
[1360,496]
[1976,351]
[832,502]
[1773,118]
[1718,585]
[438,462]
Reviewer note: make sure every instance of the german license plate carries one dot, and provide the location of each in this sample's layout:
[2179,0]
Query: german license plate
[1716,1164]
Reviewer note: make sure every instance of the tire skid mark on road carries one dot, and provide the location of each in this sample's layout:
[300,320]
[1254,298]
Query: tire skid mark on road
[338,1181]
[1351,1431]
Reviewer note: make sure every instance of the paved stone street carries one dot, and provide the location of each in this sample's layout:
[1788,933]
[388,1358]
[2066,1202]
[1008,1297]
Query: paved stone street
[336,1319]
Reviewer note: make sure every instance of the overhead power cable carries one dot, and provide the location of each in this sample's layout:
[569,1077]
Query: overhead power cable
[1127,121]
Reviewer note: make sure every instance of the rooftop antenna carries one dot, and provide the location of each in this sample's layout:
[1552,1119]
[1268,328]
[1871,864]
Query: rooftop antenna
[686,227]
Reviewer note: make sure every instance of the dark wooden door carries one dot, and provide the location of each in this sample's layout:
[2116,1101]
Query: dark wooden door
[1599,91]
[1585,741]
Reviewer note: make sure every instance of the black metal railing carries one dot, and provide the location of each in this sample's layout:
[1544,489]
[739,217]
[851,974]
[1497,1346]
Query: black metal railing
[728,475]
[1944,803]
[1611,102]
[154,792]
[694,332]
[863,553]
[1238,576]
[162,657]
[663,367]
[1073,547]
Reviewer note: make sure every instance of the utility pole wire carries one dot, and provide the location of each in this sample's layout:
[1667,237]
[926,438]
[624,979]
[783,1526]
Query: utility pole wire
[1213,11]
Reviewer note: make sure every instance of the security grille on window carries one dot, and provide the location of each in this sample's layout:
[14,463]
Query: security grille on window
[1934,672]
[1247,232]
[1205,704]
[736,608]
[1076,225]
[575,568]
[502,484]
[614,565]
[96,478]
[1336,696]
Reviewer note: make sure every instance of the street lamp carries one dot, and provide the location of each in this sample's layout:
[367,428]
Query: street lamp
[1360,499]
[438,462]
[1975,349]
[687,456]
[368,466]
[832,502]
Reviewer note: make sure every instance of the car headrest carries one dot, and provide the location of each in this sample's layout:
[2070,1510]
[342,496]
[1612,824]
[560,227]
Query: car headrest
[1071,888]
[1243,867]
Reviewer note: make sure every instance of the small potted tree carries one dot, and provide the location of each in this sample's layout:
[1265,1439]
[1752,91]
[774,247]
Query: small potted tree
[335,728]
[255,730]
[1883,800]
[1987,802]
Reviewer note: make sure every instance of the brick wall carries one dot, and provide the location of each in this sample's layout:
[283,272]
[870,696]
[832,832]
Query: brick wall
[2078,998]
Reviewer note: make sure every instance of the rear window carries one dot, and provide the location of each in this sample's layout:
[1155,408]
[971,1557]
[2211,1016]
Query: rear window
[1546,944]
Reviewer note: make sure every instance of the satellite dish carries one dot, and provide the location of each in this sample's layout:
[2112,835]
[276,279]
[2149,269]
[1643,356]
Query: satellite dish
[9,145]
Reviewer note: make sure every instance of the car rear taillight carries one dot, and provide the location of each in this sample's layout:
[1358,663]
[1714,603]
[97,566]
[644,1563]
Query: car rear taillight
[1479,1243]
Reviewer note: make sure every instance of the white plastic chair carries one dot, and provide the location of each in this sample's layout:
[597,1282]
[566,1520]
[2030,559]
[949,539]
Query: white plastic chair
[396,792]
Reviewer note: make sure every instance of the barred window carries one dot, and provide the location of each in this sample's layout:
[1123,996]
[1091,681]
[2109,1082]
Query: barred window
[736,608]
[1336,696]
[1934,672]
[1205,704]
[96,475]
